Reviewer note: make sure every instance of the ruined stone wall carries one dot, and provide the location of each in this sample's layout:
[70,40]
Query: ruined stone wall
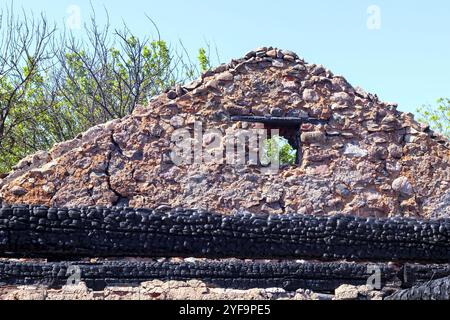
[368,160]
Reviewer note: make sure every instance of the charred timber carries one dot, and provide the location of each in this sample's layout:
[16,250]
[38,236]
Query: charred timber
[34,231]
[237,275]
[432,290]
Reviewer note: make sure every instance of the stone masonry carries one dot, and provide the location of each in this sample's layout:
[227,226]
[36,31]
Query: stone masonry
[367,159]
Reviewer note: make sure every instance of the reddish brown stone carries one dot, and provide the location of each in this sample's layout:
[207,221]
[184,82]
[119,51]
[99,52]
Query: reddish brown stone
[350,167]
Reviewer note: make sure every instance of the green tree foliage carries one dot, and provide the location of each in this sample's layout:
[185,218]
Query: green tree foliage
[54,85]
[279,145]
[24,98]
[203,60]
[438,117]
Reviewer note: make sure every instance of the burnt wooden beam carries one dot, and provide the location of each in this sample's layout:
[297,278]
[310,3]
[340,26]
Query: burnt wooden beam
[431,290]
[281,121]
[232,274]
[35,231]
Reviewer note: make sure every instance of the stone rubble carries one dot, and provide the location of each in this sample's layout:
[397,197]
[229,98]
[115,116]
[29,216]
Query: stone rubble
[348,292]
[154,290]
[368,159]
[177,290]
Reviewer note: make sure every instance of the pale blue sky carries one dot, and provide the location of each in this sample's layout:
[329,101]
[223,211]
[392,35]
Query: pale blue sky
[406,61]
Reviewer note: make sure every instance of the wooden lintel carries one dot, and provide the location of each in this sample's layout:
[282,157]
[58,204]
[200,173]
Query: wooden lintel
[286,121]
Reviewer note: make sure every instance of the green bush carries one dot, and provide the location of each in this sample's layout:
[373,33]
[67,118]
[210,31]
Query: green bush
[55,85]
[203,60]
[278,145]
[438,117]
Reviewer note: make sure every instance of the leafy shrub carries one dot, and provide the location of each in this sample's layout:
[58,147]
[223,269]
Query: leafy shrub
[55,84]
[437,117]
[278,145]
